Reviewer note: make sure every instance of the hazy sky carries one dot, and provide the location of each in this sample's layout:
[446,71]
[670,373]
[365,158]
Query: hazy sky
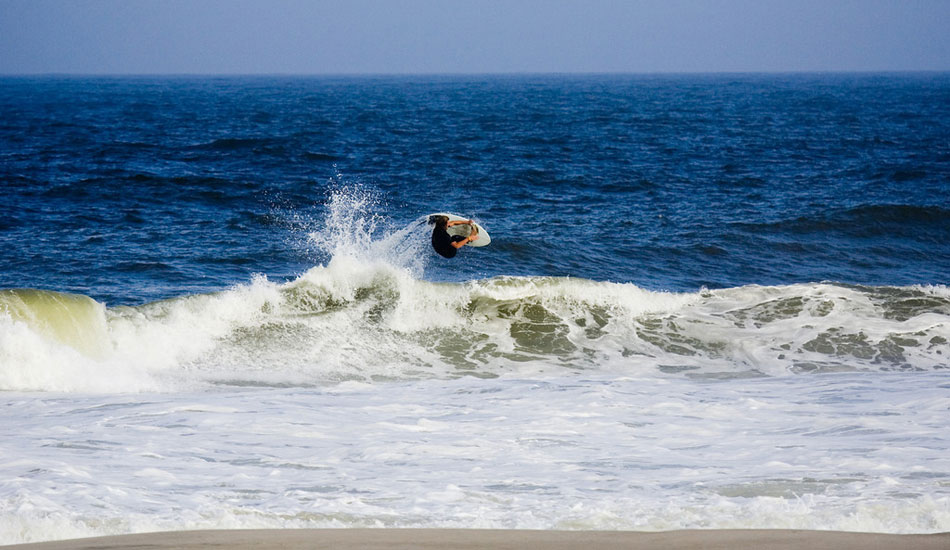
[471,36]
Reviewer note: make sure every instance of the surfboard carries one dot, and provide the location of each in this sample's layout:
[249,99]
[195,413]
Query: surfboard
[464,229]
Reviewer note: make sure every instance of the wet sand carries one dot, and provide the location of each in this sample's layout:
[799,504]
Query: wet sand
[475,539]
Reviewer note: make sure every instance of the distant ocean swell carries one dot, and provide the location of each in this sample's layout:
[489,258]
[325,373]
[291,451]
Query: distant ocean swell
[923,223]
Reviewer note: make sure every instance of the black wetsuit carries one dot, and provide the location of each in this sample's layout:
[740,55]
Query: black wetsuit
[442,242]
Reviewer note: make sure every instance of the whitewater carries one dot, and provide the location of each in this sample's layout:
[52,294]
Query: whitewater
[362,394]
[372,321]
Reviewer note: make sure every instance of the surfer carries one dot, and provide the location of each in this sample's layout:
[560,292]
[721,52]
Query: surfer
[448,245]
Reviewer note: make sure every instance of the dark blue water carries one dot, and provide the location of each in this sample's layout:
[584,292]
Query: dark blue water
[134,189]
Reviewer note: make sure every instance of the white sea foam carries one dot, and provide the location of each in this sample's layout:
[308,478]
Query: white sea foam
[828,451]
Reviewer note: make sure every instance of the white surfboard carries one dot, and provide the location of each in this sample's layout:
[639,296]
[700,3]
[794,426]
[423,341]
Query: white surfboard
[465,229]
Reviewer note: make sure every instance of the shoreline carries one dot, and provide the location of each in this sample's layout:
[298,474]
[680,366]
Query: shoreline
[499,539]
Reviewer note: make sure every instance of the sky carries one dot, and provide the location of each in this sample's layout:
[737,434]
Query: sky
[471,36]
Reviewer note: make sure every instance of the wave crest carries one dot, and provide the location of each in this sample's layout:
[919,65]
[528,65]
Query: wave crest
[351,320]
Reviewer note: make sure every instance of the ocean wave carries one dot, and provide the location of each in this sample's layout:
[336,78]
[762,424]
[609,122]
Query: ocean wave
[235,144]
[324,157]
[350,320]
[926,223]
[368,313]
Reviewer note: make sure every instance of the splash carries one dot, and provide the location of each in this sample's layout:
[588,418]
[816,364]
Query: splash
[353,230]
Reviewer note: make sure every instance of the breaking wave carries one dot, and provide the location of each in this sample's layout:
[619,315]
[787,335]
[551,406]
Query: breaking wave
[353,321]
[368,314]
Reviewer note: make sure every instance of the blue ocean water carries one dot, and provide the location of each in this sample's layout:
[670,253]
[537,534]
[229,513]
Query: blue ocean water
[710,301]
[134,189]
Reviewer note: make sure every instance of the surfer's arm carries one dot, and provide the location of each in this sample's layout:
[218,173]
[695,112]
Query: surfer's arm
[459,243]
[465,241]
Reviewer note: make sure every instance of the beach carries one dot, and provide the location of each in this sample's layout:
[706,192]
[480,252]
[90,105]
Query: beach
[466,539]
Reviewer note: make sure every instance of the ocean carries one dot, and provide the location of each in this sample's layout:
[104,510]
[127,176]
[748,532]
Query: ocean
[710,301]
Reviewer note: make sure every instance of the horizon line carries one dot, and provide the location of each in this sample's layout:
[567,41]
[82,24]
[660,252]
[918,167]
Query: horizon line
[475,73]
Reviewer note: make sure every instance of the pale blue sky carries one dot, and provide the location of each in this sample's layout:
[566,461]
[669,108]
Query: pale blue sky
[471,36]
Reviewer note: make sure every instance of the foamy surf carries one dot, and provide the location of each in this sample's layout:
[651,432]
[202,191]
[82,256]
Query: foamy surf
[827,452]
[350,320]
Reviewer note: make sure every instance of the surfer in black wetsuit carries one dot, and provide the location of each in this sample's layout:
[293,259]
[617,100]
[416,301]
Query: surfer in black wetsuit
[448,245]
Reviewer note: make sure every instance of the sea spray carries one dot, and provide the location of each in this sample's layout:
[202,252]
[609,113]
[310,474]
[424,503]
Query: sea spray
[353,227]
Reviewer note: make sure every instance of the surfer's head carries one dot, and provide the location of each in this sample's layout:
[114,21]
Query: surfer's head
[439,221]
